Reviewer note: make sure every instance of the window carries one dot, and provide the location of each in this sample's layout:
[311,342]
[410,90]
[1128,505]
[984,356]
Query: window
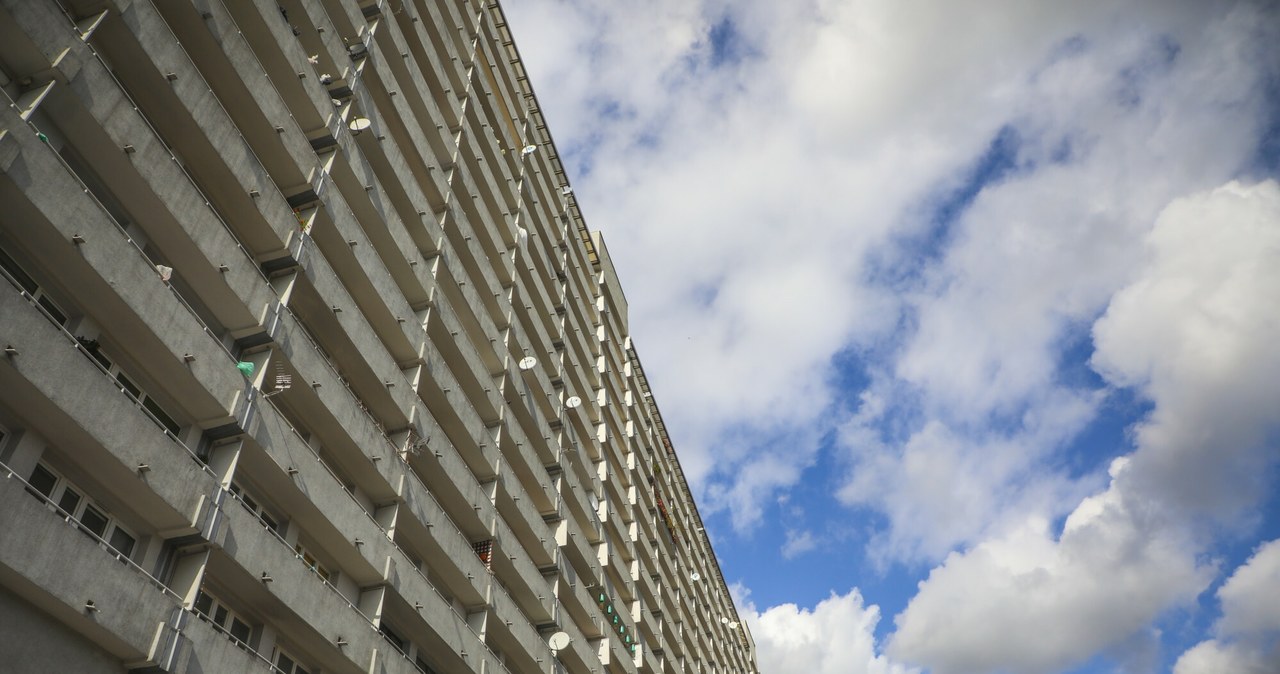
[391,636]
[251,504]
[158,414]
[288,664]
[56,489]
[423,666]
[224,619]
[32,288]
[310,560]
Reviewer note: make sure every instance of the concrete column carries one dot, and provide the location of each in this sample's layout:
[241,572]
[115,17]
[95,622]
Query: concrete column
[188,574]
[22,451]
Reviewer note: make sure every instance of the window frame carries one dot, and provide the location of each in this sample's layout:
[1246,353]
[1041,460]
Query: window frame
[254,505]
[222,617]
[37,292]
[312,562]
[147,401]
[58,493]
[295,665]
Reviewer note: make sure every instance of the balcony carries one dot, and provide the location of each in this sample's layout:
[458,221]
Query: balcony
[305,488]
[332,317]
[353,257]
[518,509]
[187,112]
[453,340]
[447,551]
[514,635]
[308,608]
[522,455]
[75,576]
[120,288]
[443,471]
[467,260]
[51,379]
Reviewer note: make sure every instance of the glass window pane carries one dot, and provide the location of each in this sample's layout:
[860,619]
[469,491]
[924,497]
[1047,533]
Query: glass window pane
[70,499]
[285,664]
[395,639]
[53,310]
[17,273]
[203,603]
[122,541]
[43,480]
[94,520]
[220,616]
[128,384]
[161,416]
[239,630]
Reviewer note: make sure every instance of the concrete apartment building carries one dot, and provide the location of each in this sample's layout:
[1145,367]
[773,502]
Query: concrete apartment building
[311,364]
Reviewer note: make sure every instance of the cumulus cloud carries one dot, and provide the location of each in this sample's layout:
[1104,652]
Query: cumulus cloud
[1248,598]
[1250,623]
[836,637]
[1196,332]
[1026,602]
[1184,331]
[1213,657]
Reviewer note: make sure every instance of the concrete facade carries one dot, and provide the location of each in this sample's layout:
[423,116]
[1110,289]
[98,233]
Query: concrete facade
[311,363]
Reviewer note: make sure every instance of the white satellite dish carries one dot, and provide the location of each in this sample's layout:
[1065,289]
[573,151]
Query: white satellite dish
[695,576]
[528,150]
[528,363]
[573,402]
[359,124]
[733,625]
[724,621]
[558,641]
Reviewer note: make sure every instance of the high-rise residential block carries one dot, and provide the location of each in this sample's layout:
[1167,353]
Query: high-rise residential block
[310,363]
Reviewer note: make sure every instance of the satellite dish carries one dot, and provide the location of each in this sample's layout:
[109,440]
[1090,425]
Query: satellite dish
[695,576]
[733,625]
[528,150]
[528,363]
[573,402]
[359,124]
[724,621]
[558,641]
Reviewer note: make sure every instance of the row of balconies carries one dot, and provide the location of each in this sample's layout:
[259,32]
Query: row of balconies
[584,425]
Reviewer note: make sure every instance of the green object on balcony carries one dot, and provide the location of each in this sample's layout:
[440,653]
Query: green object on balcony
[245,368]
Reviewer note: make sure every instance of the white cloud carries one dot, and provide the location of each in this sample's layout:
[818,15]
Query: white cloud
[1194,333]
[836,637]
[1250,622]
[1249,598]
[1197,331]
[798,543]
[1025,602]
[1213,657]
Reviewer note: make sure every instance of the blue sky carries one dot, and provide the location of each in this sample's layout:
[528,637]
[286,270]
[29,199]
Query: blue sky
[962,318]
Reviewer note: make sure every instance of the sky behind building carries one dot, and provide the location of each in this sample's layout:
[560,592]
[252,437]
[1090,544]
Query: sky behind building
[962,315]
